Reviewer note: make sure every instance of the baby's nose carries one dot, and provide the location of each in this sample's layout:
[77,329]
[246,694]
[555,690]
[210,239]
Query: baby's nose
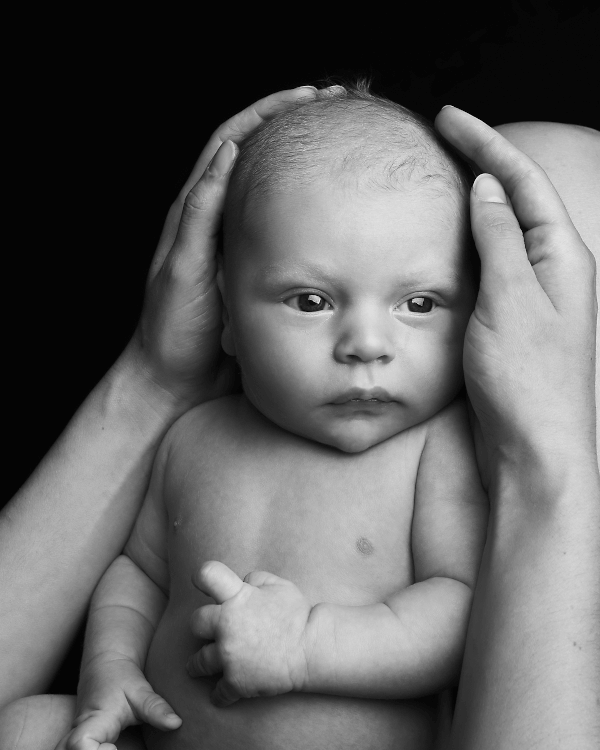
[365,338]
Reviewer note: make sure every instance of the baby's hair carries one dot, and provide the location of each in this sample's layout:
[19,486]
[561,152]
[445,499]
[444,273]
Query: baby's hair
[354,137]
[347,134]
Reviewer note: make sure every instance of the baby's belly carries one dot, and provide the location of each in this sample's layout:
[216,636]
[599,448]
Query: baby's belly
[287,722]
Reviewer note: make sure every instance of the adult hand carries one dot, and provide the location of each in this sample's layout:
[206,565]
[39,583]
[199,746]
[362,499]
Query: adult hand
[177,342]
[530,344]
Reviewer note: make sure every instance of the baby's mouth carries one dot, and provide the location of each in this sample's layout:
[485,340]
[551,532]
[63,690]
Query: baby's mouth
[363,396]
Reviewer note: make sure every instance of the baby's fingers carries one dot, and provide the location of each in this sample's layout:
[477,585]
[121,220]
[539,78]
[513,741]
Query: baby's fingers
[96,731]
[218,581]
[205,662]
[150,708]
[224,695]
[205,620]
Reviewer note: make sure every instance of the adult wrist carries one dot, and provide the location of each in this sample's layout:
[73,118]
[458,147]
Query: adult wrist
[132,384]
[533,485]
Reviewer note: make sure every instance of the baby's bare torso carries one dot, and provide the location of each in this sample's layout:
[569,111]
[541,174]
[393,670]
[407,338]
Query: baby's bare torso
[240,490]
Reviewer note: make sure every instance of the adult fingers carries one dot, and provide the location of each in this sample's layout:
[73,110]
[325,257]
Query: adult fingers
[499,238]
[234,129]
[218,581]
[532,229]
[205,620]
[534,198]
[194,236]
[242,123]
[224,694]
[205,662]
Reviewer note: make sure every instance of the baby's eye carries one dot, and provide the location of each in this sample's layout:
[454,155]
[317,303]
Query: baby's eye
[419,305]
[309,302]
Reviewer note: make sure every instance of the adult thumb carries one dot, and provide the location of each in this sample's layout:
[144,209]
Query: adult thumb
[498,238]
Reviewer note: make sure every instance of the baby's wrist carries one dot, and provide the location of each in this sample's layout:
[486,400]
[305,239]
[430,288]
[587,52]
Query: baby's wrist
[317,644]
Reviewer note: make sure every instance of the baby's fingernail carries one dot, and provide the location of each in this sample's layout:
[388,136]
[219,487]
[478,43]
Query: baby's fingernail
[223,160]
[488,189]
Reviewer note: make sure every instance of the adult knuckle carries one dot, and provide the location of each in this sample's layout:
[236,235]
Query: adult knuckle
[196,201]
[502,226]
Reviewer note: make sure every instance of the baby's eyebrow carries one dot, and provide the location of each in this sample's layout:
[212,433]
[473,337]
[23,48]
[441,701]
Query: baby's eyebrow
[448,280]
[289,272]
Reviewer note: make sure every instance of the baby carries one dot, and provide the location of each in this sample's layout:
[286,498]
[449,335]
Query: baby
[346,467]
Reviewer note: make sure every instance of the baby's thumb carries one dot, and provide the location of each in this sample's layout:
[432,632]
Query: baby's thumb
[151,709]
[498,237]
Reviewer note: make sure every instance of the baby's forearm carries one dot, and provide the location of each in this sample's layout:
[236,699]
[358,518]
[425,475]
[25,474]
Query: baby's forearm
[408,646]
[124,613]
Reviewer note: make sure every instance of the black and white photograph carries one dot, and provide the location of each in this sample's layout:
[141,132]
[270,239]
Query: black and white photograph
[302,378]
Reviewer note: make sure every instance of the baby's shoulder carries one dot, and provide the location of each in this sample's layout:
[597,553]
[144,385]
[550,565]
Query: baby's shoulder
[453,418]
[206,427]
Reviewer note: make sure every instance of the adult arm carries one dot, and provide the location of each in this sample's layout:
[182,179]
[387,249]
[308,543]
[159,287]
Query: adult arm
[72,517]
[532,662]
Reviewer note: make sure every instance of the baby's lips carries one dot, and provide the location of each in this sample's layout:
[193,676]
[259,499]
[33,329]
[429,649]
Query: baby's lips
[362,394]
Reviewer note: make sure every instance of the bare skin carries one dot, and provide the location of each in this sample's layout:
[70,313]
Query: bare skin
[578,188]
[341,551]
[530,673]
[93,480]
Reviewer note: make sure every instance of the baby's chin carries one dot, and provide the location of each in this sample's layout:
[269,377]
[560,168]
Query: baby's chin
[354,438]
[356,443]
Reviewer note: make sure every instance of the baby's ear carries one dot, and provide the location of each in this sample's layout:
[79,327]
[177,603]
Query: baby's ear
[226,335]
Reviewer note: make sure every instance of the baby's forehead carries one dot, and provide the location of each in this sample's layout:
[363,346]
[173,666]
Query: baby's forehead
[416,232]
[326,200]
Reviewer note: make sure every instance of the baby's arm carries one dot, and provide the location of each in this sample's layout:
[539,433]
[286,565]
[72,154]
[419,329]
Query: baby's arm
[270,640]
[125,610]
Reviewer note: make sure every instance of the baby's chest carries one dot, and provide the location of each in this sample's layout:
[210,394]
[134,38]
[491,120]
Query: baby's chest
[338,526]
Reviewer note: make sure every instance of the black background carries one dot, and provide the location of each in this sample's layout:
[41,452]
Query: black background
[107,115]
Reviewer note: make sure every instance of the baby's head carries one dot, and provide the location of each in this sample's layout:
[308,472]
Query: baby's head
[349,274]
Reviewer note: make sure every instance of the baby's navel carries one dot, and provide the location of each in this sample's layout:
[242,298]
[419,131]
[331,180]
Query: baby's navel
[364,546]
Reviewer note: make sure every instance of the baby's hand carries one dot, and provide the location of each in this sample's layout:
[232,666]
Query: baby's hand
[259,631]
[115,696]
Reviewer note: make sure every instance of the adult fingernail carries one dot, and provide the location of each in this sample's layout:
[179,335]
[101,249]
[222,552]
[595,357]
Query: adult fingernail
[222,161]
[310,88]
[488,189]
[336,89]
[446,105]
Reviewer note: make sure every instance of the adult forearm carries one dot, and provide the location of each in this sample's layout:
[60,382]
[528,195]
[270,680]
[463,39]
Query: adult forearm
[407,647]
[78,506]
[531,673]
